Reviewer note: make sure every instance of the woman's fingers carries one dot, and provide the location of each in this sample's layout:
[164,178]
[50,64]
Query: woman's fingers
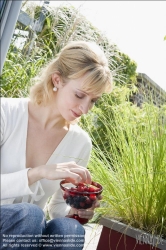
[69,171]
[73,178]
[87,214]
[84,173]
[72,167]
[100,197]
[96,205]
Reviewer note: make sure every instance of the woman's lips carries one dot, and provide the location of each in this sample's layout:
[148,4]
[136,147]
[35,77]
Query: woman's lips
[75,114]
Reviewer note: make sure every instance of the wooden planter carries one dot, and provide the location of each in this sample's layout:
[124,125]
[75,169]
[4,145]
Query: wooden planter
[118,236]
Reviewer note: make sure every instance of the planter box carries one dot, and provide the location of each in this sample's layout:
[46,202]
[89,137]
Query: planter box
[118,236]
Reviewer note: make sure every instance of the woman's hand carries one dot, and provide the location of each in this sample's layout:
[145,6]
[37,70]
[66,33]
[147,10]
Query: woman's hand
[70,171]
[86,213]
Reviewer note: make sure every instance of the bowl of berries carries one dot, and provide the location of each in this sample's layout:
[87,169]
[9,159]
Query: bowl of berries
[81,196]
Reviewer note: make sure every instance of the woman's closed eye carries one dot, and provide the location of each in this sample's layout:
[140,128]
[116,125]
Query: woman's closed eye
[80,96]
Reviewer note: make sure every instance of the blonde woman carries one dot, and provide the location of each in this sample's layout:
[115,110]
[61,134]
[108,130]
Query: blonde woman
[41,144]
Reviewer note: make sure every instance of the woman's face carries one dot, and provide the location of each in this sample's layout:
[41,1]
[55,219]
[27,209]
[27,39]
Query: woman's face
[72,101]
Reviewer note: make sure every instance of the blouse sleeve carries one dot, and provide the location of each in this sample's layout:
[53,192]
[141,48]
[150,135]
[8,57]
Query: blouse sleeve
[14,179]
[11,189]
[2,127]
[57,206]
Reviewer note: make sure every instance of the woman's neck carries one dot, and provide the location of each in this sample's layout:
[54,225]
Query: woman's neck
[46,117]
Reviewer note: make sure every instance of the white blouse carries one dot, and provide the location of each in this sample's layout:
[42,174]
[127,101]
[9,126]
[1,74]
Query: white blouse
[75,146]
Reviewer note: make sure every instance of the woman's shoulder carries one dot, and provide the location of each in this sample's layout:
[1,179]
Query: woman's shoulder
[80,133]
[14,107]
[13,100]
[13,103]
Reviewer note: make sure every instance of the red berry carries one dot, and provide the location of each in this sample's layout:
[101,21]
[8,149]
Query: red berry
[91,189]
[72,194]
[80,184]
[92,197]
[86,189]
[65,195]
[80,189]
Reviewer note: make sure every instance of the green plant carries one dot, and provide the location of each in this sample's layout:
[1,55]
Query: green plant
[133,171]
[17,73]
[61,25]
[97,125]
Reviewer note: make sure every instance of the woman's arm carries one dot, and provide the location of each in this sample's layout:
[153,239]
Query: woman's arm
[69,171]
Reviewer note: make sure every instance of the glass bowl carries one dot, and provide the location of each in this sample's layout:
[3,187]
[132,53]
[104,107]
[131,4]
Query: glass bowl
[81,196]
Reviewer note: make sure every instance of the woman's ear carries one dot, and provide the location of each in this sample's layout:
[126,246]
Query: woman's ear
[55,79]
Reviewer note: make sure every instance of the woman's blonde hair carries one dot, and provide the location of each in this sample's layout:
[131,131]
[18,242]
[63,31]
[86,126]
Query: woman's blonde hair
[76,59]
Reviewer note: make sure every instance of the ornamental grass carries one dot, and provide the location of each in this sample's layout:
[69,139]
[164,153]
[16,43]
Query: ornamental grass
[131,166]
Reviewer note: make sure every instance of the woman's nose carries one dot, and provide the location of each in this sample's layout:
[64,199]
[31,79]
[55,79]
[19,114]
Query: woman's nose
[84,107]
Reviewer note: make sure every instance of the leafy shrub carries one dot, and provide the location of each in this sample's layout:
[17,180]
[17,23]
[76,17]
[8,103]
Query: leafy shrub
[61,25]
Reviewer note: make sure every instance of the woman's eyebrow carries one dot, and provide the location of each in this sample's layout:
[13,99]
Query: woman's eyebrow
[87,93]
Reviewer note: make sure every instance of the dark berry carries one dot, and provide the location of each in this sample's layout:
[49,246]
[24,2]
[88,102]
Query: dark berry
[82,204]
